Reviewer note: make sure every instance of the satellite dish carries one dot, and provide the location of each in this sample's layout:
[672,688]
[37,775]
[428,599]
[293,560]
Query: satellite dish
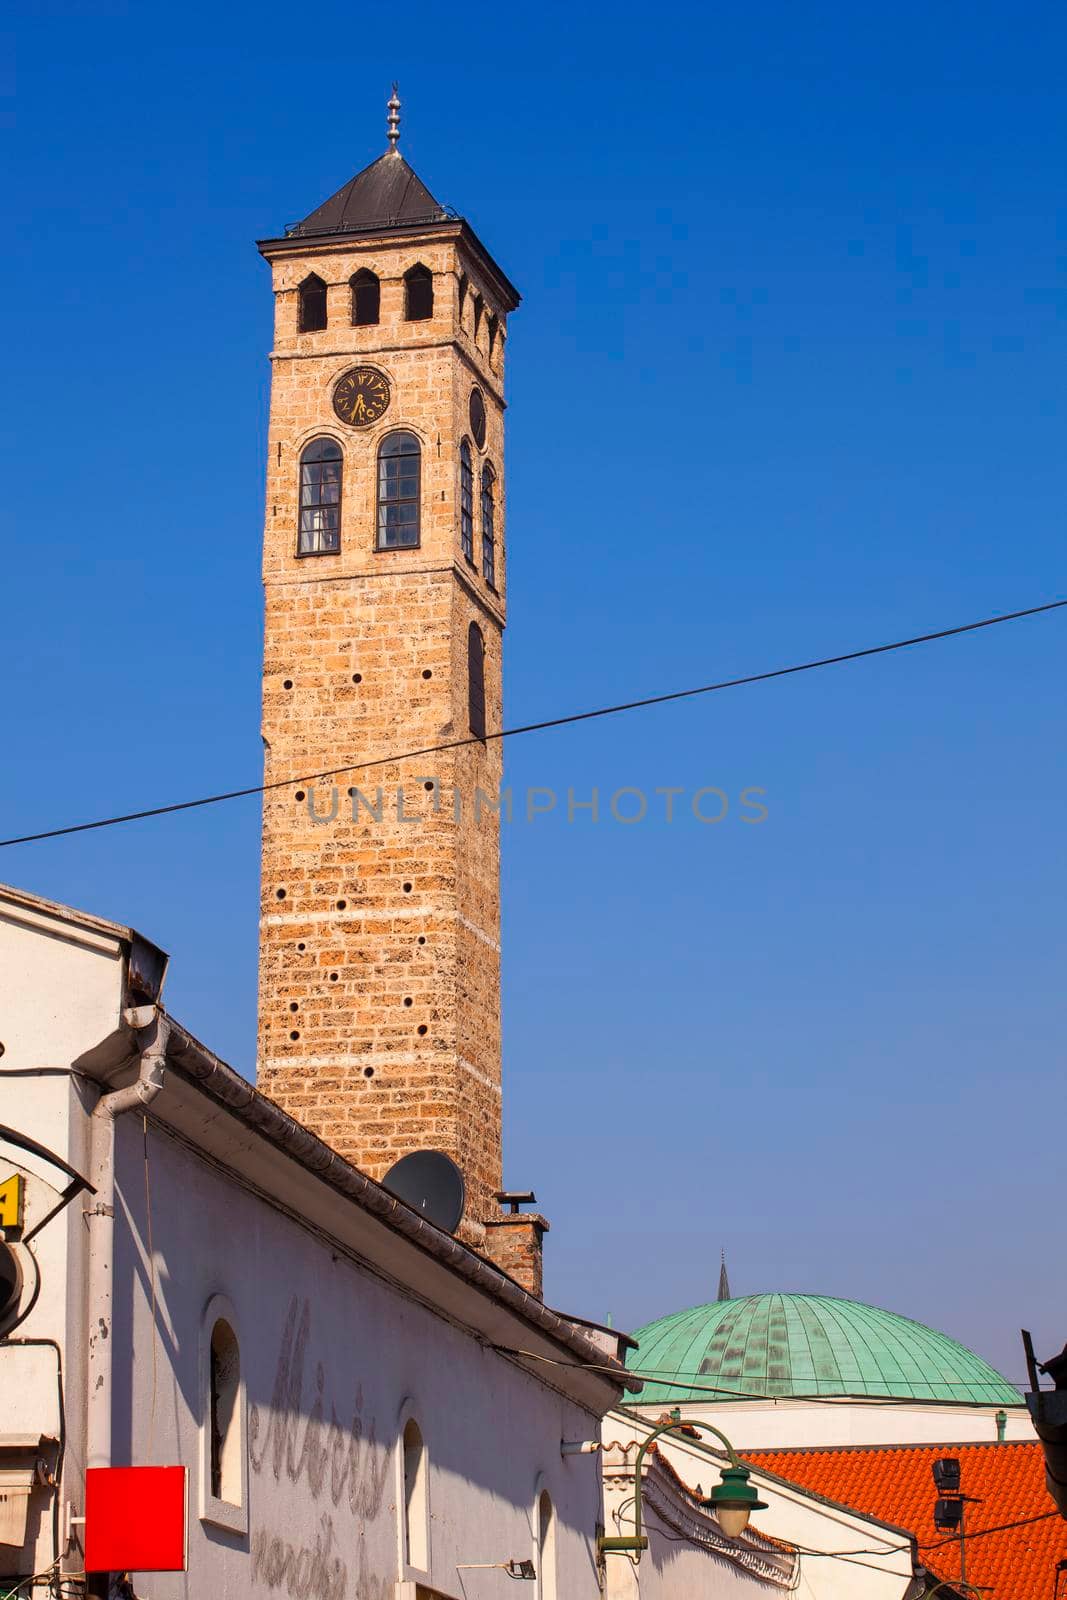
[431,1184]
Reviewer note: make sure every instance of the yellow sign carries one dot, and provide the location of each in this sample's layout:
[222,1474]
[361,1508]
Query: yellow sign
[11,1202]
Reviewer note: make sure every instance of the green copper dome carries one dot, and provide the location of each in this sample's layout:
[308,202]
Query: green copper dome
[807,1344]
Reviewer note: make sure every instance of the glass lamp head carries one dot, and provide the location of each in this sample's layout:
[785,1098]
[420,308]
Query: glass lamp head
[733,1500]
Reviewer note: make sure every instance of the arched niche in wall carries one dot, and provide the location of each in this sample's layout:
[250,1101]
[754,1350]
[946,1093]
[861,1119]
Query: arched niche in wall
[413,1494]
[223,1488]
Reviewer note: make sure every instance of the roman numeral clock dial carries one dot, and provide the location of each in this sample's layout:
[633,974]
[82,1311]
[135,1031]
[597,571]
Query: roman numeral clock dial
[361,397]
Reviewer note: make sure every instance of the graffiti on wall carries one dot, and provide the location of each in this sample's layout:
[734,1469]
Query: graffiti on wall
[306,1572]
[305,1440]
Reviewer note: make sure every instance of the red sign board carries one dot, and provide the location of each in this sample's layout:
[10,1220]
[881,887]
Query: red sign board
[135,1519]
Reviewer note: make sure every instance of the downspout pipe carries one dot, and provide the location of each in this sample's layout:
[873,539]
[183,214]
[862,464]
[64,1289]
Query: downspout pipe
[151,1029]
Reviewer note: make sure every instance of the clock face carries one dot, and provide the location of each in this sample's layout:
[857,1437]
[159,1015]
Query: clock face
[477,413]
[361,397]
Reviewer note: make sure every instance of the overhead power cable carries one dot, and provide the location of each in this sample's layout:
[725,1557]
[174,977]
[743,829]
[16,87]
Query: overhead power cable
[537,727]
[695,1387]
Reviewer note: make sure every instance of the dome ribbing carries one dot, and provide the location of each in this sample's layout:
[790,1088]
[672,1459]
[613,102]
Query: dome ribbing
[767,1345]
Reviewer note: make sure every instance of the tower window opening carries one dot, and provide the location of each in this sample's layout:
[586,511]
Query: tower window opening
[416,1520]
[492,322]
[366,298]
[488,527]
[466,501]
[312,304]
[399,463]
[320,499]
[479,307]
[463,287]
[476,680]
[418,293]
[225,1389]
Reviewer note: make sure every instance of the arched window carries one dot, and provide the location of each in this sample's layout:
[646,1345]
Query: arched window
[399,461]
[463,287]
[416,1505]
[366,298]
[545,1560]
[492,323]
[224,1385]
[466,501]
[312,293]
[476,680]
[418,293]
[488,528]
[479,307]
[320,499]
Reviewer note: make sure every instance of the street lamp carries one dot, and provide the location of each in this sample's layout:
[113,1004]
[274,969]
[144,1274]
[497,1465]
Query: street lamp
[950,1509]
[733,1498]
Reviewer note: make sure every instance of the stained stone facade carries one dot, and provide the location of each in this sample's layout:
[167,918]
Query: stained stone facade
[379,1019]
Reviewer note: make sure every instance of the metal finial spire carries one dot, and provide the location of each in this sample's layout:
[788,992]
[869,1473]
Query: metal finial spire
[393,118]
[724,1281]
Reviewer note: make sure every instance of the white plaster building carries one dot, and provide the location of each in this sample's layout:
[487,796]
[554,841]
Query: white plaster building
[688,1554]
[374,1434]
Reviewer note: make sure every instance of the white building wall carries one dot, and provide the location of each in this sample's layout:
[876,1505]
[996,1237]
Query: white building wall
[883,1571]
[673,1570]
[61,990]
[333,1359]
[781,1424]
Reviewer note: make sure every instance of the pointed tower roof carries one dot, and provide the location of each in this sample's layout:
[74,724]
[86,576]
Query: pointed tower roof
[387,194]
[387,198]
[724,1281]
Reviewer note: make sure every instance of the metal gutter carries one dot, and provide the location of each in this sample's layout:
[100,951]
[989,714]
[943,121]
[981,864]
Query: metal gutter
[187,1058]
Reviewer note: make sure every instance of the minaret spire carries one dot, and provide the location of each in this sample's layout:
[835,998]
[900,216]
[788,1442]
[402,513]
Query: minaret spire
[393,119]
[724,1280]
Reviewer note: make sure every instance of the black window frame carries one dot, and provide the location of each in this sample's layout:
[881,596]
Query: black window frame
[466,500]
[312,284]
[383,501]
[488,509]
[367,284]
[332,453]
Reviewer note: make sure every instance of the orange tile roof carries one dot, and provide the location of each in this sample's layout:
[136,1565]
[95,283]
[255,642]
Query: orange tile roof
[895,1484]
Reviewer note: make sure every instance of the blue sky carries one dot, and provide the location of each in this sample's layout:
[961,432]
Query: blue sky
[787,380]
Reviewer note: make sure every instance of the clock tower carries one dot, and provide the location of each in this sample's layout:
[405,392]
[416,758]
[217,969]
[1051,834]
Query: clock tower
[386,580]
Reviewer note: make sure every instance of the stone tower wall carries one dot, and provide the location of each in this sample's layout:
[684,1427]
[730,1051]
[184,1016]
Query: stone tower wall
[379,1014]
